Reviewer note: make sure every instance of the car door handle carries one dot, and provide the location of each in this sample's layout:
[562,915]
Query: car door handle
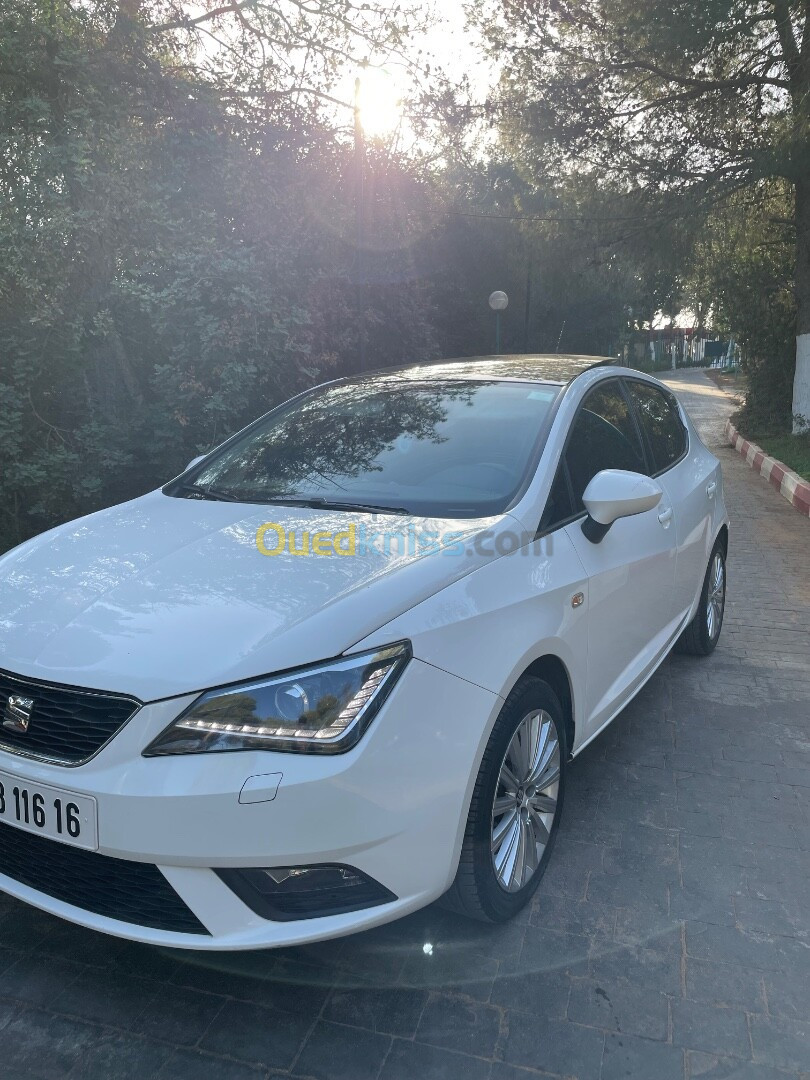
[711,489]
[665,516]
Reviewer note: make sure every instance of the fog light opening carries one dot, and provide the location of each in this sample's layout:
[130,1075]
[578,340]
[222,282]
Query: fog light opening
[286,893]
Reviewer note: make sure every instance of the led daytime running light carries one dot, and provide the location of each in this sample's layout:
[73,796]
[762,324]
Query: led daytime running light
[338,698]
[349,713]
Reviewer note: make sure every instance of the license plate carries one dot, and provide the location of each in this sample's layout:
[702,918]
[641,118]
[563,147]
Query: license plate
[49,811]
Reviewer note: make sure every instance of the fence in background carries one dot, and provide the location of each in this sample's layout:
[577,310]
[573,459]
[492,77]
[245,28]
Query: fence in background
[671,348]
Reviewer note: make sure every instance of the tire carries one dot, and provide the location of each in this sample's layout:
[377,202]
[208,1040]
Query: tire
[478,891]
[703,632]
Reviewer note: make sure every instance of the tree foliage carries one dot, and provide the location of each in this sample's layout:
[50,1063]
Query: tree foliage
[655,93]
[743,269]
[172,265]
[182,249]
[678,106]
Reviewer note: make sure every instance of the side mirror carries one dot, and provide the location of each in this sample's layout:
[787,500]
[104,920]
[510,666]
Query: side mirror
[194,461]
[614,494]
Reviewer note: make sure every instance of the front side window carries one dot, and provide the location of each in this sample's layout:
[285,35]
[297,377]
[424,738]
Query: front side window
[661,421]
[449,448]
[604,436]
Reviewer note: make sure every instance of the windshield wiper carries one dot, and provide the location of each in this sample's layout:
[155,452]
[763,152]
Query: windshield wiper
[210,492]
[314,502]
[317,503]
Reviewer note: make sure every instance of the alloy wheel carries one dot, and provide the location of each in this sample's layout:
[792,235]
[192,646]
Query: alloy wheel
[525,800]
[716,599]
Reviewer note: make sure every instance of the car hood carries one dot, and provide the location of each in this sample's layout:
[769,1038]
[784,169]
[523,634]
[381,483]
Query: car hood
[164,596]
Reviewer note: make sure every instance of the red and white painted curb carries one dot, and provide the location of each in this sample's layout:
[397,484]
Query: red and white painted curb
[789,484]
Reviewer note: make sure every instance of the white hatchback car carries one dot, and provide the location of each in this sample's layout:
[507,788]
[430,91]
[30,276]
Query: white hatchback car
[339,667]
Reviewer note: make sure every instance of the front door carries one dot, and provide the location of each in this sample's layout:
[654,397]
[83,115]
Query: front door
[632,608]
[687,478]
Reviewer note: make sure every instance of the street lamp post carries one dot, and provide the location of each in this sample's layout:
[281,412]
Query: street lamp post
[499,302]
[359,193]
[628,347]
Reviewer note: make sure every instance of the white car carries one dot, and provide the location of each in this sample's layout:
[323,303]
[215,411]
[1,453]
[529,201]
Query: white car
[339,667]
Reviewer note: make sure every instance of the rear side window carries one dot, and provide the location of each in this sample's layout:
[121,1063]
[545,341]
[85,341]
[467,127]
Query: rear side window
[604,436]
[662,424]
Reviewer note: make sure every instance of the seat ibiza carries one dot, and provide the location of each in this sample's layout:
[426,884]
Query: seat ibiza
[340,667]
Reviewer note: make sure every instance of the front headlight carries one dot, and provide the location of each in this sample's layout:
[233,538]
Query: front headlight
[323,709]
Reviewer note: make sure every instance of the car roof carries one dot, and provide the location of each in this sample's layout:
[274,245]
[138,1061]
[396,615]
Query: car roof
[533,367]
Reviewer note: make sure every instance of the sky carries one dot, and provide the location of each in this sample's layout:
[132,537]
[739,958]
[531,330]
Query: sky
[448,46]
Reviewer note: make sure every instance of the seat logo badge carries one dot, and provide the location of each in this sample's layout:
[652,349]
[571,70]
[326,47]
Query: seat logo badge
[577,600]
[17,713]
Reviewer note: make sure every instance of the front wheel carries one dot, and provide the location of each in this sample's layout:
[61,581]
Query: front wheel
[703,632]
[515,808]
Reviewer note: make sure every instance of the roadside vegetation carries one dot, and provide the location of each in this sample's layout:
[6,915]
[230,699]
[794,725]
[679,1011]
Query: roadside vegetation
[192,230]
[792,450]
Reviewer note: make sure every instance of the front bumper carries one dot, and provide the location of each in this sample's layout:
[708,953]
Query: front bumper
[394,807]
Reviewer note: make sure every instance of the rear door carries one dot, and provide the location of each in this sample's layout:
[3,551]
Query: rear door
[686,479]
[631,612]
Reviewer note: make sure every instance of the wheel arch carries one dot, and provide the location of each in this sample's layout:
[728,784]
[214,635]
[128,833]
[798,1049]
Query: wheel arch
[552,670]
[722,538]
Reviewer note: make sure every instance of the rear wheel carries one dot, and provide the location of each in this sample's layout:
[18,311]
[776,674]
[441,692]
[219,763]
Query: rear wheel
[515,808]
[703,632]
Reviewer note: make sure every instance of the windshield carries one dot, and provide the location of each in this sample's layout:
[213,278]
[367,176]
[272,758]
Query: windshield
[453,448]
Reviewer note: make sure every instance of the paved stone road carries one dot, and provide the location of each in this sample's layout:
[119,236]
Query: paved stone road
[670,939]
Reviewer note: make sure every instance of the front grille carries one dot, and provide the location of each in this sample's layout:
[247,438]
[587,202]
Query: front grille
[66,725]
[132,892]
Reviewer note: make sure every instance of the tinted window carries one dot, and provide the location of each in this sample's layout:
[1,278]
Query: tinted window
[442,447]
[604,436]
[661,422]
[558,507]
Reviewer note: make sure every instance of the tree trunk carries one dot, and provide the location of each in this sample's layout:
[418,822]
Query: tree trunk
[801,384]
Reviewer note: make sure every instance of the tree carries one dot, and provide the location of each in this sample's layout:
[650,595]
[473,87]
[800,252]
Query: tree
[743,269]
[569,268]
[690,101]
[177,258]
[260,51]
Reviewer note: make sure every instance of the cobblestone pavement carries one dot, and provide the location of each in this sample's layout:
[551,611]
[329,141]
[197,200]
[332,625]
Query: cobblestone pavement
[670,937]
